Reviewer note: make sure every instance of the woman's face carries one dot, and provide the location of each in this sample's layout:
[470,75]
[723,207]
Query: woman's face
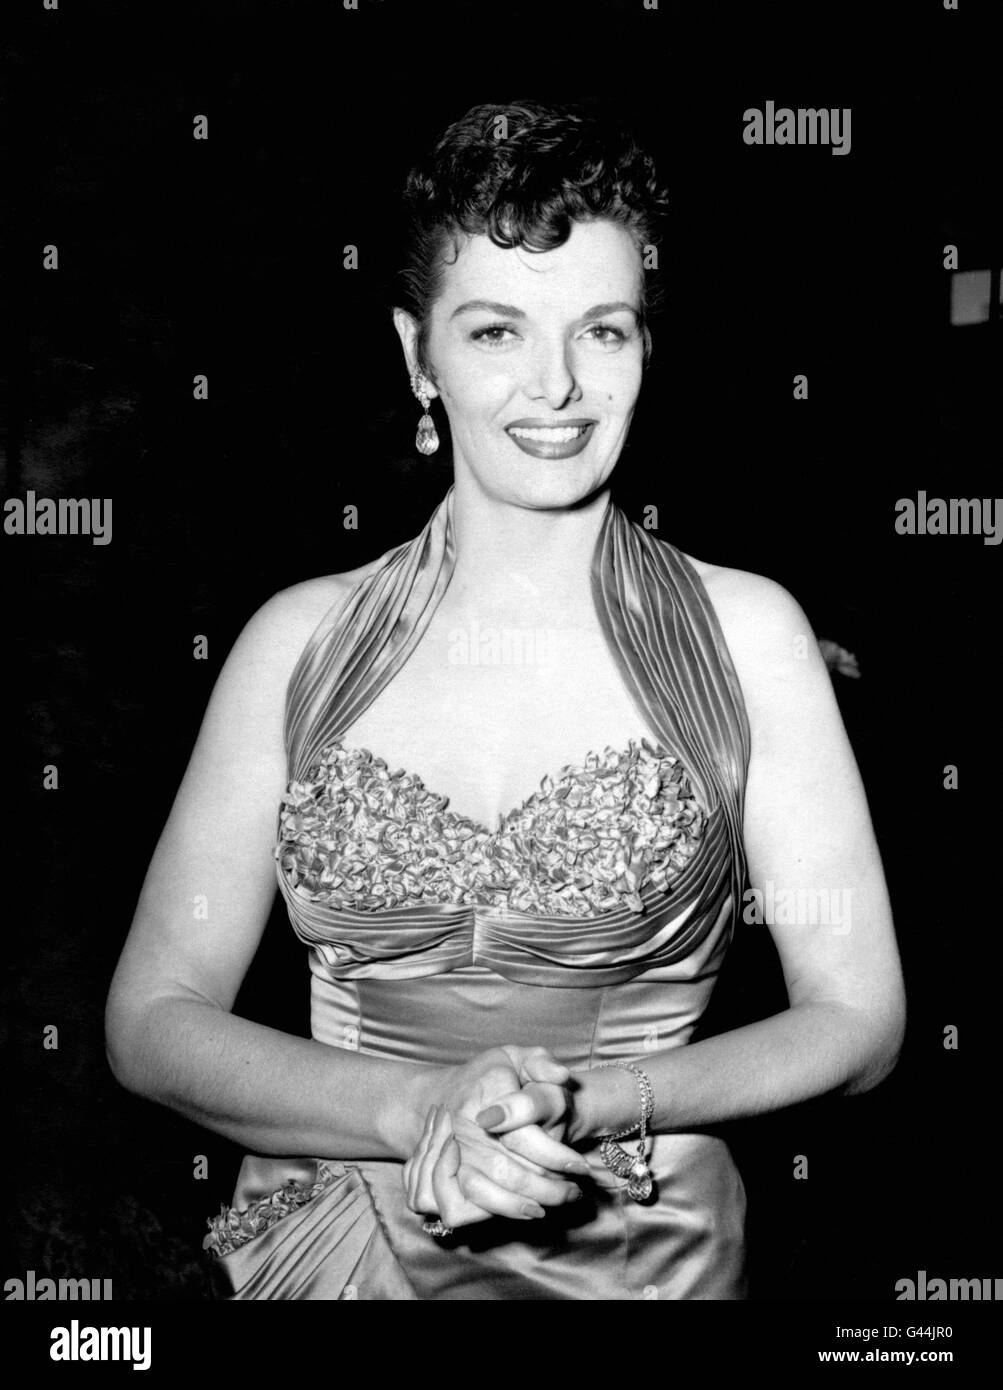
[537,358]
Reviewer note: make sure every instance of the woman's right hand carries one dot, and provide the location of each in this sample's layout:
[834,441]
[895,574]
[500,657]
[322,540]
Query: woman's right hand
[463,1174]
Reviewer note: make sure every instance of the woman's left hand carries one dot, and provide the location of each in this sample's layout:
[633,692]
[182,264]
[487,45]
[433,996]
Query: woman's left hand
[538,1117]
[443,1171]
[524,1119]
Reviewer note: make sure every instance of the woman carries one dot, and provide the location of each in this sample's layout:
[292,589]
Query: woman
[502,981]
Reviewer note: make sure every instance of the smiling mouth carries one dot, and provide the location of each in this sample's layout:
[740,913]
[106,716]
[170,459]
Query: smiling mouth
[544,441]
[548,434]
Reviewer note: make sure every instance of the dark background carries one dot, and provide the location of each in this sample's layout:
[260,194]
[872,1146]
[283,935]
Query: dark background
[225,257]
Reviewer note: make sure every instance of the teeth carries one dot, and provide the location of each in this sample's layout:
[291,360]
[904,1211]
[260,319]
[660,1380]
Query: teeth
[545,435]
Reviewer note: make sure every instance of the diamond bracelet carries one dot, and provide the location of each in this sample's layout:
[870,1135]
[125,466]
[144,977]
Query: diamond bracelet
[620,1163]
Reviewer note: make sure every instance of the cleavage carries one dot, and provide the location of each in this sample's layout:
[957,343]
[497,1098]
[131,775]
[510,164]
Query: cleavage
[483,734]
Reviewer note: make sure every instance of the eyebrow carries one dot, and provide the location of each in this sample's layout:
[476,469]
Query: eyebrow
[509,311]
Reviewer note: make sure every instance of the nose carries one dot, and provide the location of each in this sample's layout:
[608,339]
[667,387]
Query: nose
[551,375]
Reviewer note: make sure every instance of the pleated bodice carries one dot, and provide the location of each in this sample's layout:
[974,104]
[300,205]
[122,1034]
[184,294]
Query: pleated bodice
[665,638]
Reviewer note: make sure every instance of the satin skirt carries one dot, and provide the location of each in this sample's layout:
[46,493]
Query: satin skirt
[357,1239]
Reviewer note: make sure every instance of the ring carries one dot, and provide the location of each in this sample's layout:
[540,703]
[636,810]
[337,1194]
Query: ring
[436,1228]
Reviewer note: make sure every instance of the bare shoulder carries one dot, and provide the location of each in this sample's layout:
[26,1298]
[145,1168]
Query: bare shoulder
[742,599]
[767,632]
[282,626]
[247,705]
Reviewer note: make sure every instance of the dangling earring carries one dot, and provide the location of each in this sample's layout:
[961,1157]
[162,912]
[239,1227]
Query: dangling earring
[426,441]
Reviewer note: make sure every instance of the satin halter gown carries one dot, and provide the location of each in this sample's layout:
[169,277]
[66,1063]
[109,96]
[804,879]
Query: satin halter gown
[593,922]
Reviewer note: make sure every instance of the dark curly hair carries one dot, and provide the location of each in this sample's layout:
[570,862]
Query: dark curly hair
[522,173]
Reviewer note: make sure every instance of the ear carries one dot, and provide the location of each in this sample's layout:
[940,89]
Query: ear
[407,331]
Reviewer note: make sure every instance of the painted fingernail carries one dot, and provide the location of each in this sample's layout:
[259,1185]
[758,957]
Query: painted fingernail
[532,1209]
[493,1115]
[575,1194]
[578,1165]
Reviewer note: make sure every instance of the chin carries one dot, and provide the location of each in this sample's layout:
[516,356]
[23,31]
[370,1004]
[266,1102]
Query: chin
[555,486]
[544,482]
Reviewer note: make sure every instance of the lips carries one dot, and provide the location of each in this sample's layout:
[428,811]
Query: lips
[550,441]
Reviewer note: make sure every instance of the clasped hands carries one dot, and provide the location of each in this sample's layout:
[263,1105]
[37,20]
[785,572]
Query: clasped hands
[494,1140]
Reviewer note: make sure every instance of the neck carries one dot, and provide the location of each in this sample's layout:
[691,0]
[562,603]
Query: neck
[509,556]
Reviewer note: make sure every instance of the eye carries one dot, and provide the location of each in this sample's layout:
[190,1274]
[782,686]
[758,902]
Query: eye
[493,334]
[605,333]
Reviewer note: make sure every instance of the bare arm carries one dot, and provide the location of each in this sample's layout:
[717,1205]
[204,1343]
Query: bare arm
[807,832]
[170,1033]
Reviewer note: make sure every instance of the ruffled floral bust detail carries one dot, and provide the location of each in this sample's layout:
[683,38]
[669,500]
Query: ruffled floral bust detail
[232,1228]
[355,835]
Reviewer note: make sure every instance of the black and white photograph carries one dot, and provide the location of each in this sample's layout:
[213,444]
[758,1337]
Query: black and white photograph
[500,538]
